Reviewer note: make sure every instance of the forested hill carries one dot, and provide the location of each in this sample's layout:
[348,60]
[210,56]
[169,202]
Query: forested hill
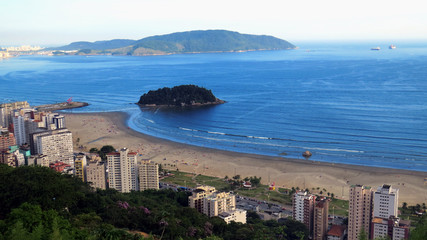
[183,95]
[183,42]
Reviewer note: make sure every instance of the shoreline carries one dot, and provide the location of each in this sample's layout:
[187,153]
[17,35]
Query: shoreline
[110,128]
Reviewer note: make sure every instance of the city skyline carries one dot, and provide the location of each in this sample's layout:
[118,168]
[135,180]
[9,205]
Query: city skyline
[49,22]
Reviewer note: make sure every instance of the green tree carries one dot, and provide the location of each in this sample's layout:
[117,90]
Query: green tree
[363,235]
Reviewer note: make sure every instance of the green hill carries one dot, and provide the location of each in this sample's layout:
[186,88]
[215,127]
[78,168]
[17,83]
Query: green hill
[183,95]
[183,42]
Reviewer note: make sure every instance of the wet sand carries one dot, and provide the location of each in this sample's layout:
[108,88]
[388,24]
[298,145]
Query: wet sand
[99,129]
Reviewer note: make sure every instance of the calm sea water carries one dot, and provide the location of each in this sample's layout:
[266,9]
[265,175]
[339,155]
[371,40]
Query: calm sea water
[343,102]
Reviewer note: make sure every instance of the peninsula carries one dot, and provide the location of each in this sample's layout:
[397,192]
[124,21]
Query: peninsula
[183,95]
[201,41]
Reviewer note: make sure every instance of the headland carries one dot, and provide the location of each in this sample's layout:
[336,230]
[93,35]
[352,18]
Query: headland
[99,129]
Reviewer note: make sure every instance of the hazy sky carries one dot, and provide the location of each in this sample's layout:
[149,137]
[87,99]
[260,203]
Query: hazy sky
[47,22]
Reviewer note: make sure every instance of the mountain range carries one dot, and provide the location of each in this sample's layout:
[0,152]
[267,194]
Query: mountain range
[182,42]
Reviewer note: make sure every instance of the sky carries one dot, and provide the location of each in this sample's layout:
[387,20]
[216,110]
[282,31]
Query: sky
[60,22]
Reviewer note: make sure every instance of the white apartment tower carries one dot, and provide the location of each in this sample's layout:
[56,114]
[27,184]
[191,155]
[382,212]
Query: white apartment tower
[123,170]
[56,144]
[148,175]
[385,202]
[303,208]
[359,212]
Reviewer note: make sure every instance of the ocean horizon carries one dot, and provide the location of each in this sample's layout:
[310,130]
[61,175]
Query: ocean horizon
[342,102]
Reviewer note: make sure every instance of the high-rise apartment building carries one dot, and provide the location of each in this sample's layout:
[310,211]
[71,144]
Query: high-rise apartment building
[7,108]
[303,208]
[56,144]
[386,201]
[80,166]
[196,199]
[7,140]
[148,175]
[359,213]
[96,174]
[320,219]
[123,170]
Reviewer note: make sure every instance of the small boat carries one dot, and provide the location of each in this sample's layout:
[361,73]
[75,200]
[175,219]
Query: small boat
[392,46]
[376,48]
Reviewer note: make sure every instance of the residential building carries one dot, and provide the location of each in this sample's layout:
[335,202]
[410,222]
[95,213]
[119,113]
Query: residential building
[392,228]
[148,175]
[80,166]
[7,108]
[218,202]
[122,170]
[320,219]
[96,174]
[303,208]
[40,159]
[196,199]
[7,139]
[336,232]
[56,144]
[360,208]
[238,215]
[385,202]
[212,203]
[60,167]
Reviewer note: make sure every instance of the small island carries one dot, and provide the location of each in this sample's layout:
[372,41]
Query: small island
[183,95]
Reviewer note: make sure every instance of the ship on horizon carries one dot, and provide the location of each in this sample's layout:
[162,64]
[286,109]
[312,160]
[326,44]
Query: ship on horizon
[376,48]
[392,46]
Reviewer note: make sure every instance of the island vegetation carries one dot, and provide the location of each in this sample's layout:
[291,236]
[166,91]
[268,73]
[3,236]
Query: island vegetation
[182,42]
[183,95]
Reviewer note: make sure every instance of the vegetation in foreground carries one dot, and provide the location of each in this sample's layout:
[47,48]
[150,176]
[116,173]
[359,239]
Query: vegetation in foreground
[39,203]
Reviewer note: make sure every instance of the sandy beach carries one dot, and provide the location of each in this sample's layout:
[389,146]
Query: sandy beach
[99,129]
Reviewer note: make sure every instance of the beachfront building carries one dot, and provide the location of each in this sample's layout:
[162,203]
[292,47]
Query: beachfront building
[122,170]
[303,208]
[212,203]
[80,166]
[359,213]
[385,201]
[320,219]
[7,108]
[56,144]
[148,175]
[96,174]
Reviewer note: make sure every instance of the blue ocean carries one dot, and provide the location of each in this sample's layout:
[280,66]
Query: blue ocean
[342,102]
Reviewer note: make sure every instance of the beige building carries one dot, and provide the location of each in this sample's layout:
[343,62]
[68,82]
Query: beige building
[360,208]
[56,144]
[320,219]
[96,174]
[80,166]
[123,170]
[7,108]
[212,203]
[148,175]
[237,215]
[7,139]
[41,159]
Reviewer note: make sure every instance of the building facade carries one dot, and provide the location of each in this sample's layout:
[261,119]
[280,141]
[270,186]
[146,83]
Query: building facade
[359,213]
[56,144]
[148,175]
[96,174]
[386,200]
[123,170]
[7,140]
[303,208]
[80,166]
[320,219]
